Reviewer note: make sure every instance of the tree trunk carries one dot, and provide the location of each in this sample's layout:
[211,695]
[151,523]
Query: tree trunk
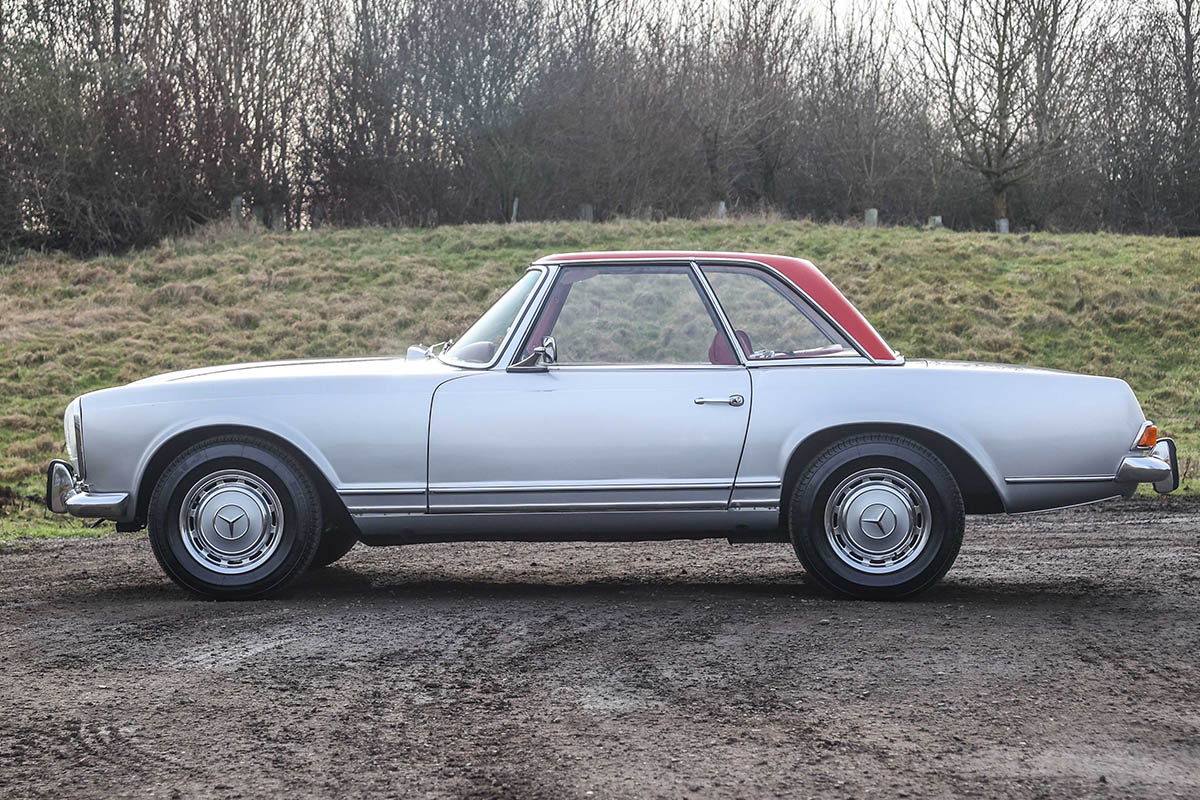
[712,161]
[118,28]
[1000,203]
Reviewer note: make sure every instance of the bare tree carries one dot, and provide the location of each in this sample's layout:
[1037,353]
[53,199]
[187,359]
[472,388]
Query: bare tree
[1004,71]
[482,53]
[1182,32]
[864,101]
[125,120]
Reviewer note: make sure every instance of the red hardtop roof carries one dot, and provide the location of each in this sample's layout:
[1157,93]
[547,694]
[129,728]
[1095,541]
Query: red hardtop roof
[807,278]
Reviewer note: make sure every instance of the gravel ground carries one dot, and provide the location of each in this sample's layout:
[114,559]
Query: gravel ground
[1058,658]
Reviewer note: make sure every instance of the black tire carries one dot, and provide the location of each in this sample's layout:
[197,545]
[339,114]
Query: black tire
[240,472]
[335,543]
[881,463]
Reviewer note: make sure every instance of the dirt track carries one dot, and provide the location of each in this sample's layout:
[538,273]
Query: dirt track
[1060,657]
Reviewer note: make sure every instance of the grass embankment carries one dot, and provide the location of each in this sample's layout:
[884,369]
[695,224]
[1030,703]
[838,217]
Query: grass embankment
[1127,306]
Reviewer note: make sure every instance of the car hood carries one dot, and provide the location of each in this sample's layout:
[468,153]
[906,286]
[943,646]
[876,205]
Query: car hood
[300,368]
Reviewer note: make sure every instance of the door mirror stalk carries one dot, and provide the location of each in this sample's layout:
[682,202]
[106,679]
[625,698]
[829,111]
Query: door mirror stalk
[539,360]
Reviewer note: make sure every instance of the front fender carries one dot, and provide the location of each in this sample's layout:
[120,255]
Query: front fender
[360,436]
[273,426]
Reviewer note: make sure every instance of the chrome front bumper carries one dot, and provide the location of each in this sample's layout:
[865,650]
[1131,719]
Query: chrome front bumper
[66,495]
[1160,467]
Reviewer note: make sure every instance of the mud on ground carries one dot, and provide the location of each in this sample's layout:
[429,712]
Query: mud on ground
[1060,657]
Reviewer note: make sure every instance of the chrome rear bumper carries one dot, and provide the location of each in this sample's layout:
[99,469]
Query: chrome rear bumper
[65,495]
[1160,467]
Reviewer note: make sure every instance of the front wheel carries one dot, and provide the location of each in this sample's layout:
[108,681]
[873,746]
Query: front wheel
[234,517]
[876,517]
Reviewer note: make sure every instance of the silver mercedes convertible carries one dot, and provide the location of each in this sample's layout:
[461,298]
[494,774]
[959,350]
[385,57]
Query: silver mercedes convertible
[606,396]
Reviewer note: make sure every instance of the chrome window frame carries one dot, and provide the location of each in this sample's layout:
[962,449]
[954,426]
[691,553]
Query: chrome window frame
[800,303]
[813,306]
[730,332]
[704,292]
[819,309]
[864,358]
[515,328]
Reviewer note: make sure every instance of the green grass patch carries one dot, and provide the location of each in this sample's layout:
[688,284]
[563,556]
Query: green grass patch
[1127,306]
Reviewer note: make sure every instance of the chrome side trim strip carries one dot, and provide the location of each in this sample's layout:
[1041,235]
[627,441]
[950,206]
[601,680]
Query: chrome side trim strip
[633,505]
[699,505]
[763,504]
[602,487]
[1062,479]
[360,514]
[366,510]
[758,485]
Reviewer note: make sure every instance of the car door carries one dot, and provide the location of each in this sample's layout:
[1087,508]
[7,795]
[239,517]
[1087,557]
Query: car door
[645,408]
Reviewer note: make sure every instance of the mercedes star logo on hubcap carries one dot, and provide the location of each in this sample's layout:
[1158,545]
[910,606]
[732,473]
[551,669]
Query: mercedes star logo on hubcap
[231,522]
[878,521]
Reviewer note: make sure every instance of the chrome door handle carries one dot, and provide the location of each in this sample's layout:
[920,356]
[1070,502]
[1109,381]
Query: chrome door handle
[733,400]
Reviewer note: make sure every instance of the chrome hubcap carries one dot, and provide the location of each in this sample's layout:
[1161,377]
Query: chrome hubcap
[877,520]
[231,521]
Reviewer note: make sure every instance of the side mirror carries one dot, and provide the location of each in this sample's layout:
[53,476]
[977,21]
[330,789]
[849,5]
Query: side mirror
[536,361]
[549,350]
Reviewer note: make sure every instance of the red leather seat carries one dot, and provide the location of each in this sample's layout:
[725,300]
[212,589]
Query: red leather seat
[720,352]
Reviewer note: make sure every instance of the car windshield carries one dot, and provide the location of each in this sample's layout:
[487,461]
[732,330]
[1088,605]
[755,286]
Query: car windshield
[479,344]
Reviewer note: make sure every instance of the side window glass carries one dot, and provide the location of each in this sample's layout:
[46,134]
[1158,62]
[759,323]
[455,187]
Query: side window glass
[770,320]
[628,315]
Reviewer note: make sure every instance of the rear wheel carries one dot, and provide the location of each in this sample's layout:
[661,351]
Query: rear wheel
[877,517]
[234,517]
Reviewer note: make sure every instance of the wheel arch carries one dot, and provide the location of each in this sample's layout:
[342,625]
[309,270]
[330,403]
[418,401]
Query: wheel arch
[979,491]
[332,505]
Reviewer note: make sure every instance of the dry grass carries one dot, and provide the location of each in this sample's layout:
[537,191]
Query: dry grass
[1116,305]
